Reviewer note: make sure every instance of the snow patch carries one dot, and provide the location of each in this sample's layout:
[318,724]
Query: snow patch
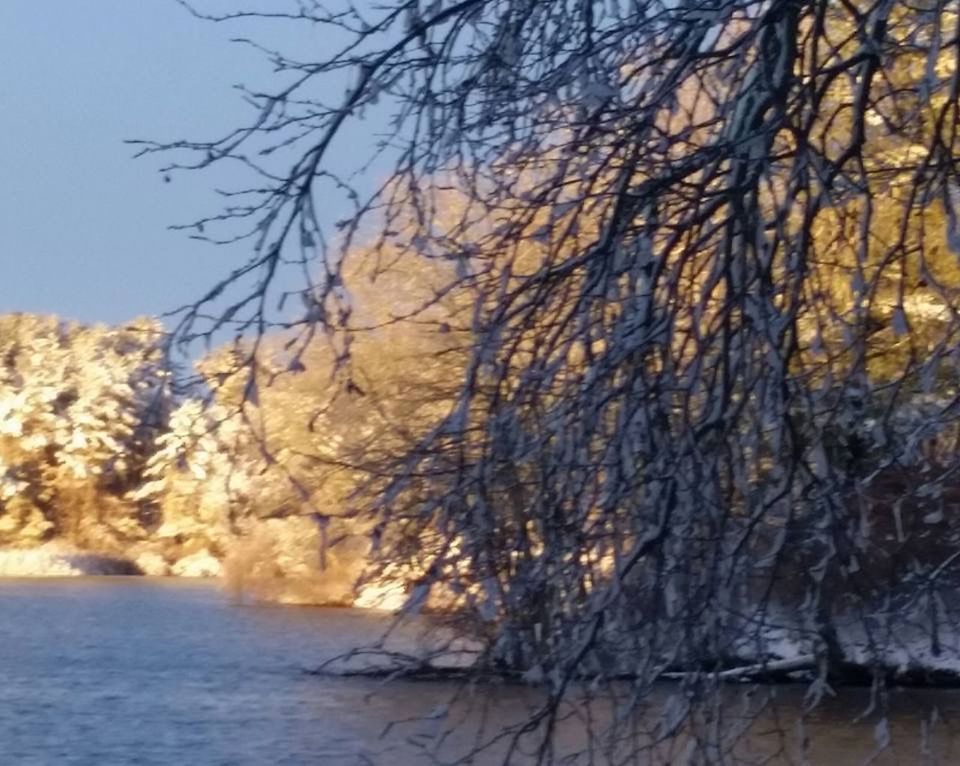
[152,564]
[57,561]
[388,596]
[199,564]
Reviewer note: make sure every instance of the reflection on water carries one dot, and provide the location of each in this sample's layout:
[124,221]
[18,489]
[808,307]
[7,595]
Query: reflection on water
[125,671]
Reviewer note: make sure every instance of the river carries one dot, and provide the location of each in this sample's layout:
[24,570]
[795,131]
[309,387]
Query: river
[102,671]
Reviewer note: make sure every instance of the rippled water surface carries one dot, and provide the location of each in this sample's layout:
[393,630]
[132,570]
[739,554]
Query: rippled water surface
[98,671]
[140,671]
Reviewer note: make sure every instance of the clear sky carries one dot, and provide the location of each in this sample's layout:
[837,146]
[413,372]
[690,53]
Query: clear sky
[83,225]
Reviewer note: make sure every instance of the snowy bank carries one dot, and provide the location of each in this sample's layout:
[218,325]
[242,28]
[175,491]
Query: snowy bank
[57,560]
[53,560]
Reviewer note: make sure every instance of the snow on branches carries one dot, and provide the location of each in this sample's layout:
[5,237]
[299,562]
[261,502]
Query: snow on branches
[703,277]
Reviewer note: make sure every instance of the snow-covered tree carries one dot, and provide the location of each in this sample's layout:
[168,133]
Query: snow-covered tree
[199,476]
[707,251]
[320,438]
[80,408]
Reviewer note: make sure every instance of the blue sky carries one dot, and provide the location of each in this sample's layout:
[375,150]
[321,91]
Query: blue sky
[83,225]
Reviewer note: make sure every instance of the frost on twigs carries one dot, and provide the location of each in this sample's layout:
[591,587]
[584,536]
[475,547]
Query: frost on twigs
[699,265]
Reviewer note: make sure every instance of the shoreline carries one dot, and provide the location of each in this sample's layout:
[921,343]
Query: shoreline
[912,664]
[57,560]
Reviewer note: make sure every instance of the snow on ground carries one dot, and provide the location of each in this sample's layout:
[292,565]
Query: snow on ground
[896,641]
[200,564]
[56,561]
[381,596]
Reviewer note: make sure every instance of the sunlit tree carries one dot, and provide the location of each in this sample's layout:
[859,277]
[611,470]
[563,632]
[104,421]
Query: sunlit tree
[80,409]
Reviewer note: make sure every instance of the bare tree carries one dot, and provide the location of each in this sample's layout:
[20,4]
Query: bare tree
[704,256]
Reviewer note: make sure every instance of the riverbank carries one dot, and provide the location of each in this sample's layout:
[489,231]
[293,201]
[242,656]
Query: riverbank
[784,653]
[56,559]
[53,560]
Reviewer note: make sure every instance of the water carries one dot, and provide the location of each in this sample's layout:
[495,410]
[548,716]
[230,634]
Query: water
[140,671]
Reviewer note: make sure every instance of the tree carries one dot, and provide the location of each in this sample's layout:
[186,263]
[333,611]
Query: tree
[675,435]
[80,410]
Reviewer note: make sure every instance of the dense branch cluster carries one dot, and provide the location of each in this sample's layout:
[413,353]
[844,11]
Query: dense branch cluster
[702,296]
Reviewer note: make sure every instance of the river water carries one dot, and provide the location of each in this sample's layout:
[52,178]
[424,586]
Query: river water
[140,671]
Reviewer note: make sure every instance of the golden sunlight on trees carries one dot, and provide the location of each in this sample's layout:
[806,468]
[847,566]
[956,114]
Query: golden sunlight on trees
[323,436]
[107,449]
[80,408]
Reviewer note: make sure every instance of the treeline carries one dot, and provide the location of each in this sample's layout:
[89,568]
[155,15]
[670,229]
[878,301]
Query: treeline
[104,446]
